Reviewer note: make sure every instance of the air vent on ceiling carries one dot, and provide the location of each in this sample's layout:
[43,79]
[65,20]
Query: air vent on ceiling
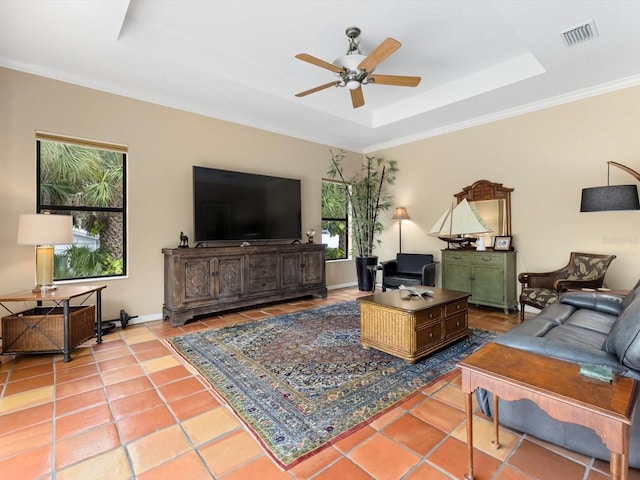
[580,34]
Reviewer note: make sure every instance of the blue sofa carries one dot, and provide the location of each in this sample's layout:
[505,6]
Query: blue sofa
[582,327]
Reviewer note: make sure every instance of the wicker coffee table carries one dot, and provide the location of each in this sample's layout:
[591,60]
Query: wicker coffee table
[412,327]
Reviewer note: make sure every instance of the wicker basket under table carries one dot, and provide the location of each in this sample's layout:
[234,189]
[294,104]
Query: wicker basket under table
[41,329]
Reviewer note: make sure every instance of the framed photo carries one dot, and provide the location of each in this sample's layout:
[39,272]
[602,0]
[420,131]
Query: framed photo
[502,243]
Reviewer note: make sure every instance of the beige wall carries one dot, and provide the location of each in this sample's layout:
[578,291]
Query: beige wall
[163,145]
[546,156]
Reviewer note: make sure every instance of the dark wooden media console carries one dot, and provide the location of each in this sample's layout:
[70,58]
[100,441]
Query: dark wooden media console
[199,281]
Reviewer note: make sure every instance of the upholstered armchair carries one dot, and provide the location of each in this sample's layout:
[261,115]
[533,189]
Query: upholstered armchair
[584,270]
[409,269]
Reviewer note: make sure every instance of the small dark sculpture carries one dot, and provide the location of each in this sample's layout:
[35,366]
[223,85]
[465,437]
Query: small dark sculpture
[184,241]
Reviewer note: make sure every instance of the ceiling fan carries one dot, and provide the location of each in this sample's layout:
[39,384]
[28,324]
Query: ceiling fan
[355,69]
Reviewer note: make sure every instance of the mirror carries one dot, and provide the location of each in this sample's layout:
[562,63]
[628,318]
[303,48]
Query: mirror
[492,212]
[493,203]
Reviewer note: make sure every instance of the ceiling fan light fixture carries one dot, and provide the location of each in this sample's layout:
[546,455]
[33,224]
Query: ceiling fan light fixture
[349,62]
[353,84]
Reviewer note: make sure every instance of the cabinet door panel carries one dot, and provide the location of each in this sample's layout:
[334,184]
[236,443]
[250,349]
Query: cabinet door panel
[313,267]
[488,285]
[457,277]
[197,279]
[230,276]
[291,270]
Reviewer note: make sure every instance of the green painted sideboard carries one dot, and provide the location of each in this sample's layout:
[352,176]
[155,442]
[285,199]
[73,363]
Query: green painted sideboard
[490,276]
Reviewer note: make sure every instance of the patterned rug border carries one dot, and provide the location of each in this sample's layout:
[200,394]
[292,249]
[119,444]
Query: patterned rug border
[224,400]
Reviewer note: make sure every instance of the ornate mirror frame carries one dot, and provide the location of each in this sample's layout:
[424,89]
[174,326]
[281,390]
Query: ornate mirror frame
[486,190]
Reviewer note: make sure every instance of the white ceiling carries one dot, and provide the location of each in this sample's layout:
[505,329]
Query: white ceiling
[234,60]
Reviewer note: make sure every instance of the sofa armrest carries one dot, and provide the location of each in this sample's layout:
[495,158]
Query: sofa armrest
[597,301]
[429,274]
[389,266]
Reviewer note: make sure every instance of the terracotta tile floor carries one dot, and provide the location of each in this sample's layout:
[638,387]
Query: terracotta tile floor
[129,408]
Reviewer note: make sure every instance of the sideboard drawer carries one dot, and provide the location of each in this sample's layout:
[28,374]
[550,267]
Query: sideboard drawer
[457,258]
[487,259]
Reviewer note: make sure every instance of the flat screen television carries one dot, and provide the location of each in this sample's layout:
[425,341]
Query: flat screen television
[236,206]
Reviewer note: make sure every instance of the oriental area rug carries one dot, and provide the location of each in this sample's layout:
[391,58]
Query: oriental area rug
[301,381]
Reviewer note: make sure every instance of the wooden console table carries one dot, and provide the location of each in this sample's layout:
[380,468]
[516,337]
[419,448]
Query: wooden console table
[557,388]
[62,295]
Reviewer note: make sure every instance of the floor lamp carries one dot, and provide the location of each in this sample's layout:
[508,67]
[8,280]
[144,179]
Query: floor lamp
[44,231]
[400,214]
[611,197]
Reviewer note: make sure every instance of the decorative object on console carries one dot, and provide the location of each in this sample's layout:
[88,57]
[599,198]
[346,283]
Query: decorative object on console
[184,240]
[355,69]
[310,234]
[368,196]
[611,197]
[400,214]
[502,243]
[44,231]
[458,225]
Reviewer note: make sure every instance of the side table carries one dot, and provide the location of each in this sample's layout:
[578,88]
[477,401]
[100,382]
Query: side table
[513,374]
[373,271]
[61,296]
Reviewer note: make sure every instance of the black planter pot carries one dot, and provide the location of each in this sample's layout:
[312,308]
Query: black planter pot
[365,278]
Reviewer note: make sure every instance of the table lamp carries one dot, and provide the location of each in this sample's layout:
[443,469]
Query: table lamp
[44,231]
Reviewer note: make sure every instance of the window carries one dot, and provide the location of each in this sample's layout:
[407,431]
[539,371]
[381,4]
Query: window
[87,181]
[335,224]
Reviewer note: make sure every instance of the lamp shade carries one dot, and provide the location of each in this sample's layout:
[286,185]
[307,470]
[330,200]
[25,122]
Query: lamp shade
[401,214]
[44,229]
[612,197]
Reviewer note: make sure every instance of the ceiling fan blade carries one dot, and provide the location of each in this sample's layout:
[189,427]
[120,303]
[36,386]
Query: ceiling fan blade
[398,80]
[382,51]
[317,89]
[357,97]
[305,57]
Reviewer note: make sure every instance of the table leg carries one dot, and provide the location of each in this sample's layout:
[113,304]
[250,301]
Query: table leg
[66,350]
[99,316]
[468,406]
[624,459]
[496,426]
[614,466]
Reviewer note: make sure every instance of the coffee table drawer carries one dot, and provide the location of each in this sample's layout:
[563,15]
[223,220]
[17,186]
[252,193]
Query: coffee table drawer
[455,324]
[428,336]
[429,315]
[455,307]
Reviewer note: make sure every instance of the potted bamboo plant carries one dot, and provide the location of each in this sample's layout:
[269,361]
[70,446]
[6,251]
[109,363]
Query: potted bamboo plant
[368,196]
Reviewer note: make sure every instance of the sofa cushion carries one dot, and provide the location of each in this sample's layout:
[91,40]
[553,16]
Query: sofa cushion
[412,262]
[596,301]
[624,338]
[576,335]
[594,321]
[556,313]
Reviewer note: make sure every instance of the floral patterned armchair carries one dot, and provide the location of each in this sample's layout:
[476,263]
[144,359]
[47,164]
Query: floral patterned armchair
[584,270]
